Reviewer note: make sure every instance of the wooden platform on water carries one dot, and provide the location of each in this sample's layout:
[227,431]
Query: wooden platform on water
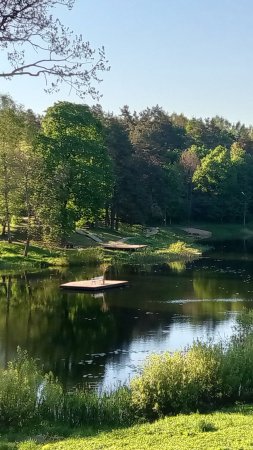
[89,285]
[123,246]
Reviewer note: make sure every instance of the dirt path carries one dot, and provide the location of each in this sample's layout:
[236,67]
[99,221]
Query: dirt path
[152,231]
[87,233]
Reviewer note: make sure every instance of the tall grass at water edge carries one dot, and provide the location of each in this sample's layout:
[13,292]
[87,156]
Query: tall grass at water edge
[29,397]
[204,377]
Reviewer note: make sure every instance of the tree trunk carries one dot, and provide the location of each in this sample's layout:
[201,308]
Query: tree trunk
[6,202]
[117,222]
[3,228]
[244,213]
[9,230]
[107,217]
[112,218]
[28,207]
[27,244]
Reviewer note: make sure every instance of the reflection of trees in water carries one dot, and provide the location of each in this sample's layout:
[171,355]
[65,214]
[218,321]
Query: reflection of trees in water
[6,283]
[58,328]
[63,329]
[223,286]
[66,329]
[177,266]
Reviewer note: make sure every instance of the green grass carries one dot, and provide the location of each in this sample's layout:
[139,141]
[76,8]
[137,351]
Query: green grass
[230,429]
[11,257]
[212,431]
[80,240]
[168,245]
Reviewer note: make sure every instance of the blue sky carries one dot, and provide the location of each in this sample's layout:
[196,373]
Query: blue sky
[189,56]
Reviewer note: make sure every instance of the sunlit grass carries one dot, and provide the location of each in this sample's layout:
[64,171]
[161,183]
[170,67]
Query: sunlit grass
[230,429]
[12,256]
[227,430]
[167,245]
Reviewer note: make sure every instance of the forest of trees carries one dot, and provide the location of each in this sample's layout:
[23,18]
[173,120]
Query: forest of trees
[78,165]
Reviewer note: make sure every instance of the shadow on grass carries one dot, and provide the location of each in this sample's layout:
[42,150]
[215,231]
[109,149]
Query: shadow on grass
[45,434]
[191,424]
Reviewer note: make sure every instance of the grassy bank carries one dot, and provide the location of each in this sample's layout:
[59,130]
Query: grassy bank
[228,430]
[39,257]
[167,245]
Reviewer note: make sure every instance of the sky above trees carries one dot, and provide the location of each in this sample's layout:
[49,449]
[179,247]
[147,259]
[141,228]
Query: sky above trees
[187,56]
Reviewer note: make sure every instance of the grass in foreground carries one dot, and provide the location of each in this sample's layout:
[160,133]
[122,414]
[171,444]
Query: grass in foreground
[227,430]
[211,431]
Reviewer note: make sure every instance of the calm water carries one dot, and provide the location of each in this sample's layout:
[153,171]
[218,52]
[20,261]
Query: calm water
[102,339]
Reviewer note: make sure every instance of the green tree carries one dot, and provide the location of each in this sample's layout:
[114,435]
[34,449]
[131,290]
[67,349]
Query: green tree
[189,161]
[213,178]
[157,142]
[19,166]
[120,205]
[10,133]
[28,170]
[242,192]
[212,173]
[77,168]
[222,178]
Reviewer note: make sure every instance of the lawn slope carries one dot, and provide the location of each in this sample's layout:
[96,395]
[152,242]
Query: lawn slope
[229,430]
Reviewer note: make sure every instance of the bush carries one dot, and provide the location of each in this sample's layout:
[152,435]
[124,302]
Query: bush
[183,249]
[19,384]
[206,375]
[178,383]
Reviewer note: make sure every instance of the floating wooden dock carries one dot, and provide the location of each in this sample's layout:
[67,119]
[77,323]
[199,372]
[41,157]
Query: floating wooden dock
[89,285]
[123,246]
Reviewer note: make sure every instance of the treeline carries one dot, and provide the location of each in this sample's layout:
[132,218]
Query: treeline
[169,168]
[78,165]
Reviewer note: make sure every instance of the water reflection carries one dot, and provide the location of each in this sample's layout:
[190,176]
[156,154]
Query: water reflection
[101,339]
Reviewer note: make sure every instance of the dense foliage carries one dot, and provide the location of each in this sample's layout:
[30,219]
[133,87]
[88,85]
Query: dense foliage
[203,377]
[54,171]
[78,165]
[170,168]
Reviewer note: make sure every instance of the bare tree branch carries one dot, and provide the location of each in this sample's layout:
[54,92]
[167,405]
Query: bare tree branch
[64,56]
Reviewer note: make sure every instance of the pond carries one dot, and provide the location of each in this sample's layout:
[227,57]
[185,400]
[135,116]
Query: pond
[101,339]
